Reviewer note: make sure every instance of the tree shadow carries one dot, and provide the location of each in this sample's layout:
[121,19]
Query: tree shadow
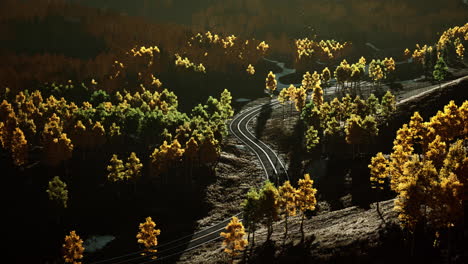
[265,114]
[296,152]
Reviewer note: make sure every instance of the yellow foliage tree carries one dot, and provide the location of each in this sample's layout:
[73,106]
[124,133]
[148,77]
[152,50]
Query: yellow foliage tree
[287,203]
[234,240]
[250,69]
[271,83]
[300,97]
[19,148]
[147,236]
[73,248]
[116,169]
[305,198]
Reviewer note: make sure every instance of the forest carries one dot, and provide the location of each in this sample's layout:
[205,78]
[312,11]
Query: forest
[256,131]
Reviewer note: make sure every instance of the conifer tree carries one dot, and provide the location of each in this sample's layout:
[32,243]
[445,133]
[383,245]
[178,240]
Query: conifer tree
[440,70]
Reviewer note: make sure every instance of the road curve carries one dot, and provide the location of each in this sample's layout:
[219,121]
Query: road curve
[273,168]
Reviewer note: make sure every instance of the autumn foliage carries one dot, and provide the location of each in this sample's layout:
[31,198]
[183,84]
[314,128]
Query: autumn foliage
[147,237]
[234,241]
[73,248]
[427,168]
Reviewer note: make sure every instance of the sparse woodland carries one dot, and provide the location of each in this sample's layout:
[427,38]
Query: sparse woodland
[130,118]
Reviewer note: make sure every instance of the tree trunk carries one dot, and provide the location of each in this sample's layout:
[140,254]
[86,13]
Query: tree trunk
[285,229]
[302,227]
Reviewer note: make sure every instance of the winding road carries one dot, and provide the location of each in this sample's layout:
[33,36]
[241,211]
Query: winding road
[271,164]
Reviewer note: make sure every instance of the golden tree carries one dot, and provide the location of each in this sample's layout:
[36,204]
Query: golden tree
[312,138]
[116,169]
[283,97]
[133,167]
[307,81]
[378,171]
[147,236]
[250,69]
[326,76]
[317,95]
[234,240]
[73,248]
[300,97]
[57,146]
[287,203]
[305,198]
[427,169]
[376,72]
[19,148]
[271,83]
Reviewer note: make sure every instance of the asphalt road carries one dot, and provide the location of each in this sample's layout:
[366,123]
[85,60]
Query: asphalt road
[274,170]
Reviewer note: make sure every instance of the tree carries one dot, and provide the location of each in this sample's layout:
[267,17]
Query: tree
[440,70]
[225,104]
[287,203]
[271,83]
[133,167]
[283,96]
[312,138]
[269,206]
[300,97]
[317,95]
[191,153]
[378,171]
[73,248]
[19,148]
[234,240]
[147,236]
[251,212]
[57,191]
[250,69]
[429,179]
[376,73]
[116,169]
[57,146]
[354,131]
[326,76]
[388,104]
[305,198]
